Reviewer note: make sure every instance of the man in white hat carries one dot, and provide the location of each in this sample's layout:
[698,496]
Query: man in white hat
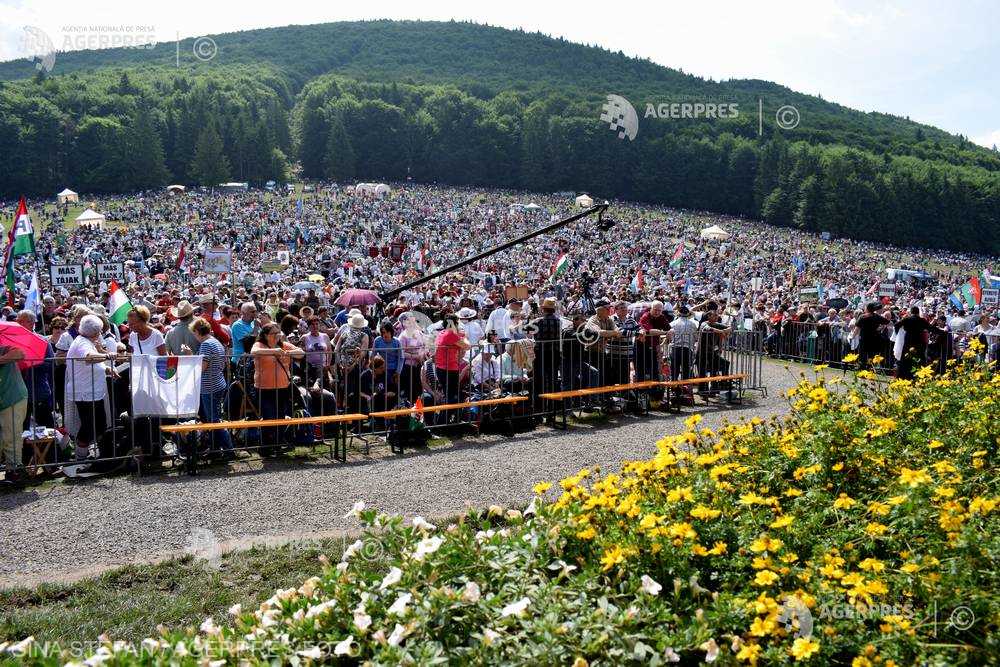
[180,339]
[471,325]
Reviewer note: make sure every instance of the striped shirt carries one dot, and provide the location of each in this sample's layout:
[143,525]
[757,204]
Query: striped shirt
[213,378]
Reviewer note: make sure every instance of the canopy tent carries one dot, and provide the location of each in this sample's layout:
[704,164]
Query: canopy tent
[715,233]
[377,189]
[532,207]
[175,189]
[90,219]
[584,201]
[67,196]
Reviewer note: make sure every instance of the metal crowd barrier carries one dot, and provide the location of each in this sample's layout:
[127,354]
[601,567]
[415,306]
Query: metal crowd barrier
[81,416]
[818,343]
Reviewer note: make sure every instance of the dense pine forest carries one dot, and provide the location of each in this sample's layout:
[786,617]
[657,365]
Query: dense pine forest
[466,104]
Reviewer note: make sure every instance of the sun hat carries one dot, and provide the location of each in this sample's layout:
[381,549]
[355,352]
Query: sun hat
[357,321]
[182,310]
[466,314]
[549,302]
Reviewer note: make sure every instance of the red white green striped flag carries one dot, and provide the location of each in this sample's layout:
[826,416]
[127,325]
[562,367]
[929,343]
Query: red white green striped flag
[562,263]
[675,261]
[118,304]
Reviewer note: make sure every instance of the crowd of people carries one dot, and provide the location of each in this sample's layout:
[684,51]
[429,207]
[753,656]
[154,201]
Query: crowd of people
[638,296]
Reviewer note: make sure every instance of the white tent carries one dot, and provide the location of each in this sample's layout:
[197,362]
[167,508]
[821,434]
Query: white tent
[175,189]
[67,195]
[715,233]
[532,207]
[90,218]
[584,201]
[382,189]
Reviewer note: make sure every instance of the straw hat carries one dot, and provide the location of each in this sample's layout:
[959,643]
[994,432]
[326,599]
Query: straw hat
[182,310]
[357,321]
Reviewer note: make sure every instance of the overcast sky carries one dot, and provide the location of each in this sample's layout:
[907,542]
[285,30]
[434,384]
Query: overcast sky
[936,62]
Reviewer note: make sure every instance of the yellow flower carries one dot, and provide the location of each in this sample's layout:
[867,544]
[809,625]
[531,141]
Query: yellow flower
[872,565]
[542,487]
[782,522]
[866,375]
[765,578]
[910,568]
[935,444]
[587,533]
[844,502]
[913,478]
[792,493]
[682,530]
[761,627]
[877,508]
[877,359]
[680,493]
[924,372]
[580,662]
[612,557]
[692,421]
[876,529]
[897,500]
[980,505]
[766,543]
[849,358]
[803,649]
[752,499]
[702,512]
[749,653]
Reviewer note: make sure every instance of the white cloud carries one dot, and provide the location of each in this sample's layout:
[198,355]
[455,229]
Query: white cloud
[989,140]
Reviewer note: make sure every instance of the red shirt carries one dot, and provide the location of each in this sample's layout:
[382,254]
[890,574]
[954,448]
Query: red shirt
[447,352]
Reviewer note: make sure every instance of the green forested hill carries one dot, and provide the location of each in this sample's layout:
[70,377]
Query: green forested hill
[471,104]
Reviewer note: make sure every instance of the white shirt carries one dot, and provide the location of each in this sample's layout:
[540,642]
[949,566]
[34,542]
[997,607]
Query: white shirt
[685,332]
[483,370]
[84,381]
[148,345]
[499,321]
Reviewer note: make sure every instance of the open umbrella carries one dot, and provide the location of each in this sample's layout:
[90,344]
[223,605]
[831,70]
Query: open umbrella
[316,278]
[33,345]
[303,286]
[357,297]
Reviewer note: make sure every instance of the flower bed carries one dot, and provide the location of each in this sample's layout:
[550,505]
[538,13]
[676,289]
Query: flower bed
[862,529]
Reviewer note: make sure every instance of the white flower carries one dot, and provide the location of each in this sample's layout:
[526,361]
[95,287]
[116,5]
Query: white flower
[342,566]
[711,650]
[358,508]
[398,607]
[562,566]
[397,635]
[351,550]
[314,653]
[513,515]
[181,649]
[320,608]
[421,524]
[150,645]
[471,592]
[650,585]
[362,621]
[344,647]
[495,510]
[209,627]
[270,617]
[670,655]
[515,608]
[532,508]
[236,610]
[426,546]
[391,579]
[489,636]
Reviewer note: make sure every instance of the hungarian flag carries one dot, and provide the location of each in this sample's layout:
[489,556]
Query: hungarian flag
[8,256]
[562,263]
[180,258]
[675,261]
[118,304]
[638,282]
[24,233]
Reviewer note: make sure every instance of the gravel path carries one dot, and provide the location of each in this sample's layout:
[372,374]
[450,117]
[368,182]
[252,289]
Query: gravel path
[62,532]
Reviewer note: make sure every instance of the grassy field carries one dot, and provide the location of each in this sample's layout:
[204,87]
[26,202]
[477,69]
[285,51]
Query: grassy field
[129,603]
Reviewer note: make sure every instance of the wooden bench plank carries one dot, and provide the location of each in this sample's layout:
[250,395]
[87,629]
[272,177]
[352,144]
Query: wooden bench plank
[263,423]
[703,380]
[590,391]
[402,412]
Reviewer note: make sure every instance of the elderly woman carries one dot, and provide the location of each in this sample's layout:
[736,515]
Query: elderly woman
[86,385]
[213,383]
[13,407]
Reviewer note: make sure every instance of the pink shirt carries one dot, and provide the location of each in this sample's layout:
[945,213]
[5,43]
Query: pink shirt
[447,352]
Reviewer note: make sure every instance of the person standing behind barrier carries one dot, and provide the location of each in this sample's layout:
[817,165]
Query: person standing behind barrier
[143,339]
[272,377]
[450,345]
[181,339]
[213,383]
[318,355]
[916,329]
[548,331]
[683,337]
[600,329]
[85,382]
[870,339]
[391,351]
[38,379]
[712,335]
[654,325]
[13,407]
[59,325]
[414,354]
